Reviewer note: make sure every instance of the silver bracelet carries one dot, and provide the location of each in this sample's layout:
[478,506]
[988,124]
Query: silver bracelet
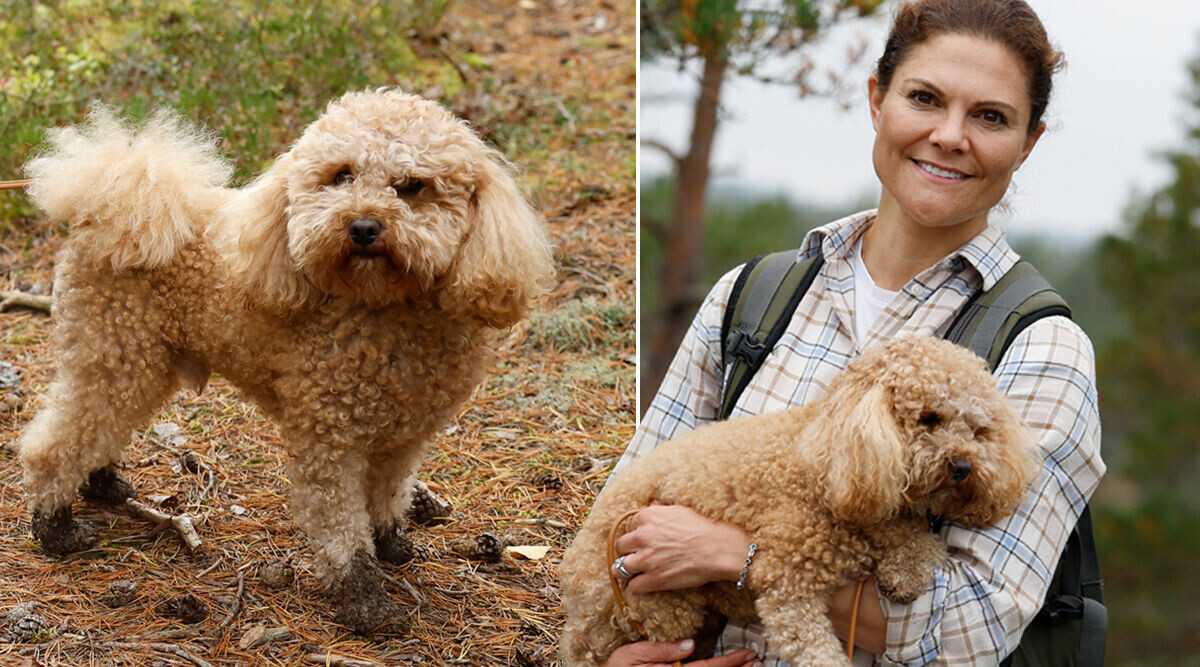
[741,584]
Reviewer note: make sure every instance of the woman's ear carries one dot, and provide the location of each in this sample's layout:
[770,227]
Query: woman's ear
[874,99]
[1031,141]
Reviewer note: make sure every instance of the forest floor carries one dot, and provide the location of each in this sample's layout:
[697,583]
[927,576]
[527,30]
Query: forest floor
[521,462]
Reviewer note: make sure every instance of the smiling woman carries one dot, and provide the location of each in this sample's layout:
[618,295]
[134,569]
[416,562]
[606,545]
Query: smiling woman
[956,105]
[950,132]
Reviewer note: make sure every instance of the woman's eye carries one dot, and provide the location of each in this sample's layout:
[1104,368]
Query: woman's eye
[921,97]
[343,177]
[992,117]
[408,187]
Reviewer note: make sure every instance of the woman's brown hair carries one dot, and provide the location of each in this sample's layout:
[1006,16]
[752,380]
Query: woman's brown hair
[1011,23]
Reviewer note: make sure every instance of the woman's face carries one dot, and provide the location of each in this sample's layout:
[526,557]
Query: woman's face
[950,131]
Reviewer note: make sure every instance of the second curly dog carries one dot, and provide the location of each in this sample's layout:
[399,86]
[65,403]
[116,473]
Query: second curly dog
[831,492]
[355,291]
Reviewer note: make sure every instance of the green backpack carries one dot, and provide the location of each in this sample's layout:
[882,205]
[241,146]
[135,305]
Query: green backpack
[1069,630]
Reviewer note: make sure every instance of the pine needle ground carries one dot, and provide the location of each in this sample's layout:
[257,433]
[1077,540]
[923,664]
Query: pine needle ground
[521,462]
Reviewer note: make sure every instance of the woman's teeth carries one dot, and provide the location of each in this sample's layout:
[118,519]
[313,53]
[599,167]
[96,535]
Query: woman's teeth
[940,172]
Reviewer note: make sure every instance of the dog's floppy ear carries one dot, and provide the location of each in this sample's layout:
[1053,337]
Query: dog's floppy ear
[254,242]
[504,262]
[862,454]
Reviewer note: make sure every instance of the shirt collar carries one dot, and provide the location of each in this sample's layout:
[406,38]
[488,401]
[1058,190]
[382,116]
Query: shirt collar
[987,252]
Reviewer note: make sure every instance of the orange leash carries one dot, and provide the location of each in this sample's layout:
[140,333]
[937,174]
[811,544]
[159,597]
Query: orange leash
[616,585]
[858,589]
[13,185]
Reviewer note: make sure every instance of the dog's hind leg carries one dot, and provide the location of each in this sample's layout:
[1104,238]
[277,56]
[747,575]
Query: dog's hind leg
[330,505]
[103,391]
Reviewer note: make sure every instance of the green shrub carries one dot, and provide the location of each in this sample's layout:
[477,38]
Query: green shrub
[254,72]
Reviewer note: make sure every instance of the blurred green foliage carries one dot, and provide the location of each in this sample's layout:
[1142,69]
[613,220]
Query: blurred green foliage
[256,72]
[737,227]
[1150,398]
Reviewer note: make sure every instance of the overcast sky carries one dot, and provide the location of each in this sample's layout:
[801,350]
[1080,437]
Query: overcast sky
[1119,100]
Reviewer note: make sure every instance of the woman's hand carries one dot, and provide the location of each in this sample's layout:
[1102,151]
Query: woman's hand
[669,547]
[663,654]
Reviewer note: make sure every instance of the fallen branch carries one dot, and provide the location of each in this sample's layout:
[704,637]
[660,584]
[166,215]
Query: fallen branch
[260,635]
[552,523]
[9,298]
[332,660]
[183,524]
[237,600]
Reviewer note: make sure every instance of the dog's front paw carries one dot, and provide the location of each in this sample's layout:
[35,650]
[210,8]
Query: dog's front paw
[359,599]
[106,485]
[906,571]
[60,534]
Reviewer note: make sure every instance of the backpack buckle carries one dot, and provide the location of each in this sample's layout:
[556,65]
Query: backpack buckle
[745,347]
[1063,607]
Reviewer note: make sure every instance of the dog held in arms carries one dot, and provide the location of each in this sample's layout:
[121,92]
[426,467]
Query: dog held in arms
[831,492]
[355,291]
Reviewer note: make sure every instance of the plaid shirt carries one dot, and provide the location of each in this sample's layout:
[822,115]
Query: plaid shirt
[977,605]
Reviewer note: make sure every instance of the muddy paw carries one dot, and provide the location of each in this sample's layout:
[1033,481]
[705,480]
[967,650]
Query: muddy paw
[359,599]
[395,547]
[60,534]
[106,485]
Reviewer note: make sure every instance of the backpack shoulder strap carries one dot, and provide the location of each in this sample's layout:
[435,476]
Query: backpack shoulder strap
[987,325]
[761,304]
[991,319]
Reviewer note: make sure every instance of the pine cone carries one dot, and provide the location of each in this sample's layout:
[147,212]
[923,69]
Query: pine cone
[485,547]
[427,509]
[119,593]
[23,624]
[187,608]
[276,575]
[547,480]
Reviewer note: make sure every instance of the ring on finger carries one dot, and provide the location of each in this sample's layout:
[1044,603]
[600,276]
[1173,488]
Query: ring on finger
[619,563]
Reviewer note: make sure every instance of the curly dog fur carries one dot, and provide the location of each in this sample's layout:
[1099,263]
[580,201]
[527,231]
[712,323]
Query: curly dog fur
[831,492]
[354,291]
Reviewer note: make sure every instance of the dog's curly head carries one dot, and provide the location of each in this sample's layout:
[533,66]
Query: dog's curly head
[387,197]
[920,428]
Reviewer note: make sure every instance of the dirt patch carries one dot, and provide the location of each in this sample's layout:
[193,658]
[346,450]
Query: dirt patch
[553,87]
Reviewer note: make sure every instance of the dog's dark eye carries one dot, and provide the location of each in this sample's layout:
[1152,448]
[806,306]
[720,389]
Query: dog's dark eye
[408,187]
[343,177]
[929,419]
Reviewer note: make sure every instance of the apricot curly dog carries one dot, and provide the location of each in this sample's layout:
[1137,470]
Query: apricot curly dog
[831,492]
[354,291]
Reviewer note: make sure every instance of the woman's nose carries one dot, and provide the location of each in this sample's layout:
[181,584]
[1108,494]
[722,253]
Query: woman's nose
[949,133]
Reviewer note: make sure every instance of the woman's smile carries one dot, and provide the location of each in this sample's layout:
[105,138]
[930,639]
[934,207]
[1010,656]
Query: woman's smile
[940,173]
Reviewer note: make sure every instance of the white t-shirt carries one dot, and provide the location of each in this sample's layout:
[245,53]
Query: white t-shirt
[869,298]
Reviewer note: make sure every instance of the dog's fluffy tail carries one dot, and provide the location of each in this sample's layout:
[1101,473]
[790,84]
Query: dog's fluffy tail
[133,194]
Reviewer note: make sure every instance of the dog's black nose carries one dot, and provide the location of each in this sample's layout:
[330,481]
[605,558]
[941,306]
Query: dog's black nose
[959,469]
[364,231]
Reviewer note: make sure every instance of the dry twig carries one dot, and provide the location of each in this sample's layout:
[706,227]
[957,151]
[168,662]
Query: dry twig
[15,299]
[182,523]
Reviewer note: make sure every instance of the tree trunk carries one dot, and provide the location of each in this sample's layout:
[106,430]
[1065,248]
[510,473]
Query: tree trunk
[683,240]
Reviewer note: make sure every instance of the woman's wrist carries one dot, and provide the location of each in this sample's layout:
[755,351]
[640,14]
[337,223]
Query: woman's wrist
[731,557]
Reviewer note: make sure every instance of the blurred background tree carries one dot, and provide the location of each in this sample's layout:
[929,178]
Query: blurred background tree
[1150,402]
[723,37]
[256,72]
